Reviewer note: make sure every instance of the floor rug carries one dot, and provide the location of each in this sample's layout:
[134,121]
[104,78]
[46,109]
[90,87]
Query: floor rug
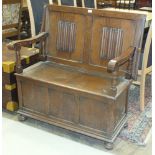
[139,123]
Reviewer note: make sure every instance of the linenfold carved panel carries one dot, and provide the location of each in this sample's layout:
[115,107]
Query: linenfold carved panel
[66,36]
[111,42]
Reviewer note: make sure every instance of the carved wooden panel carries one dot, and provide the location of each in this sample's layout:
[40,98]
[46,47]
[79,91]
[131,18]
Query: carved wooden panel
[66,36]
[110,38]
[111,42]
[66,39]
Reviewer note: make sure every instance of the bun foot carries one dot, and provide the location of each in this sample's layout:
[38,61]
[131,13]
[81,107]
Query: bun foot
[21,117]
[108,145]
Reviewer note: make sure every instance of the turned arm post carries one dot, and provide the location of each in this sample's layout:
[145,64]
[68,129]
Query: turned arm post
[114,64]
[114,81]
[43,50]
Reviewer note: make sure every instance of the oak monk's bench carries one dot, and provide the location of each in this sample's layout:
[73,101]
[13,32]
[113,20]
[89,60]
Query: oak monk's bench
[88,60]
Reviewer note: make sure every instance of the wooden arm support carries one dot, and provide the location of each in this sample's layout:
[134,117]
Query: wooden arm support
[16,46]
[115,63]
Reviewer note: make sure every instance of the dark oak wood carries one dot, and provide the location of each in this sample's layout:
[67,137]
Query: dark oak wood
[16,45]
[83,84]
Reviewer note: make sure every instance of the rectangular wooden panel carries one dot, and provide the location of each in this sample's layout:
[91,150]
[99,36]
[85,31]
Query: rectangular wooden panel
[63,105]
[111,43]
[66,36]
[66,40]
[33,92]
[91,114]
[110,37]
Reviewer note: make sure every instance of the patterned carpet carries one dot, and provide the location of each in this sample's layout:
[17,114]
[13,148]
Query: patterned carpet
[139,124]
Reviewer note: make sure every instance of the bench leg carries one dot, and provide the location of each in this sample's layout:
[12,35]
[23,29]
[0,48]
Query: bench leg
[108,145]
[21,117]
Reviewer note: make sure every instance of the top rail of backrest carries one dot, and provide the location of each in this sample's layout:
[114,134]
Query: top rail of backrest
[75,34]
[99,12]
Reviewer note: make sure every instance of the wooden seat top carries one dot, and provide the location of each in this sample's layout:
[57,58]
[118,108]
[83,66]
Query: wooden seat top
[72,78]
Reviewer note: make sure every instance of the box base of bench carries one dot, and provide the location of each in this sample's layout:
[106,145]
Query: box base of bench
[71,104]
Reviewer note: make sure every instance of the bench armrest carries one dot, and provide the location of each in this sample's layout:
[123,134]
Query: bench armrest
[16,45]
[115,63]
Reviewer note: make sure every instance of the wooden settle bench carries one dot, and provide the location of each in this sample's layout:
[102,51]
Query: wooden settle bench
[88,60]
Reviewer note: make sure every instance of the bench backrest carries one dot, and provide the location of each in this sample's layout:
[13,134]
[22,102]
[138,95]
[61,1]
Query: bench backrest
[89,37]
